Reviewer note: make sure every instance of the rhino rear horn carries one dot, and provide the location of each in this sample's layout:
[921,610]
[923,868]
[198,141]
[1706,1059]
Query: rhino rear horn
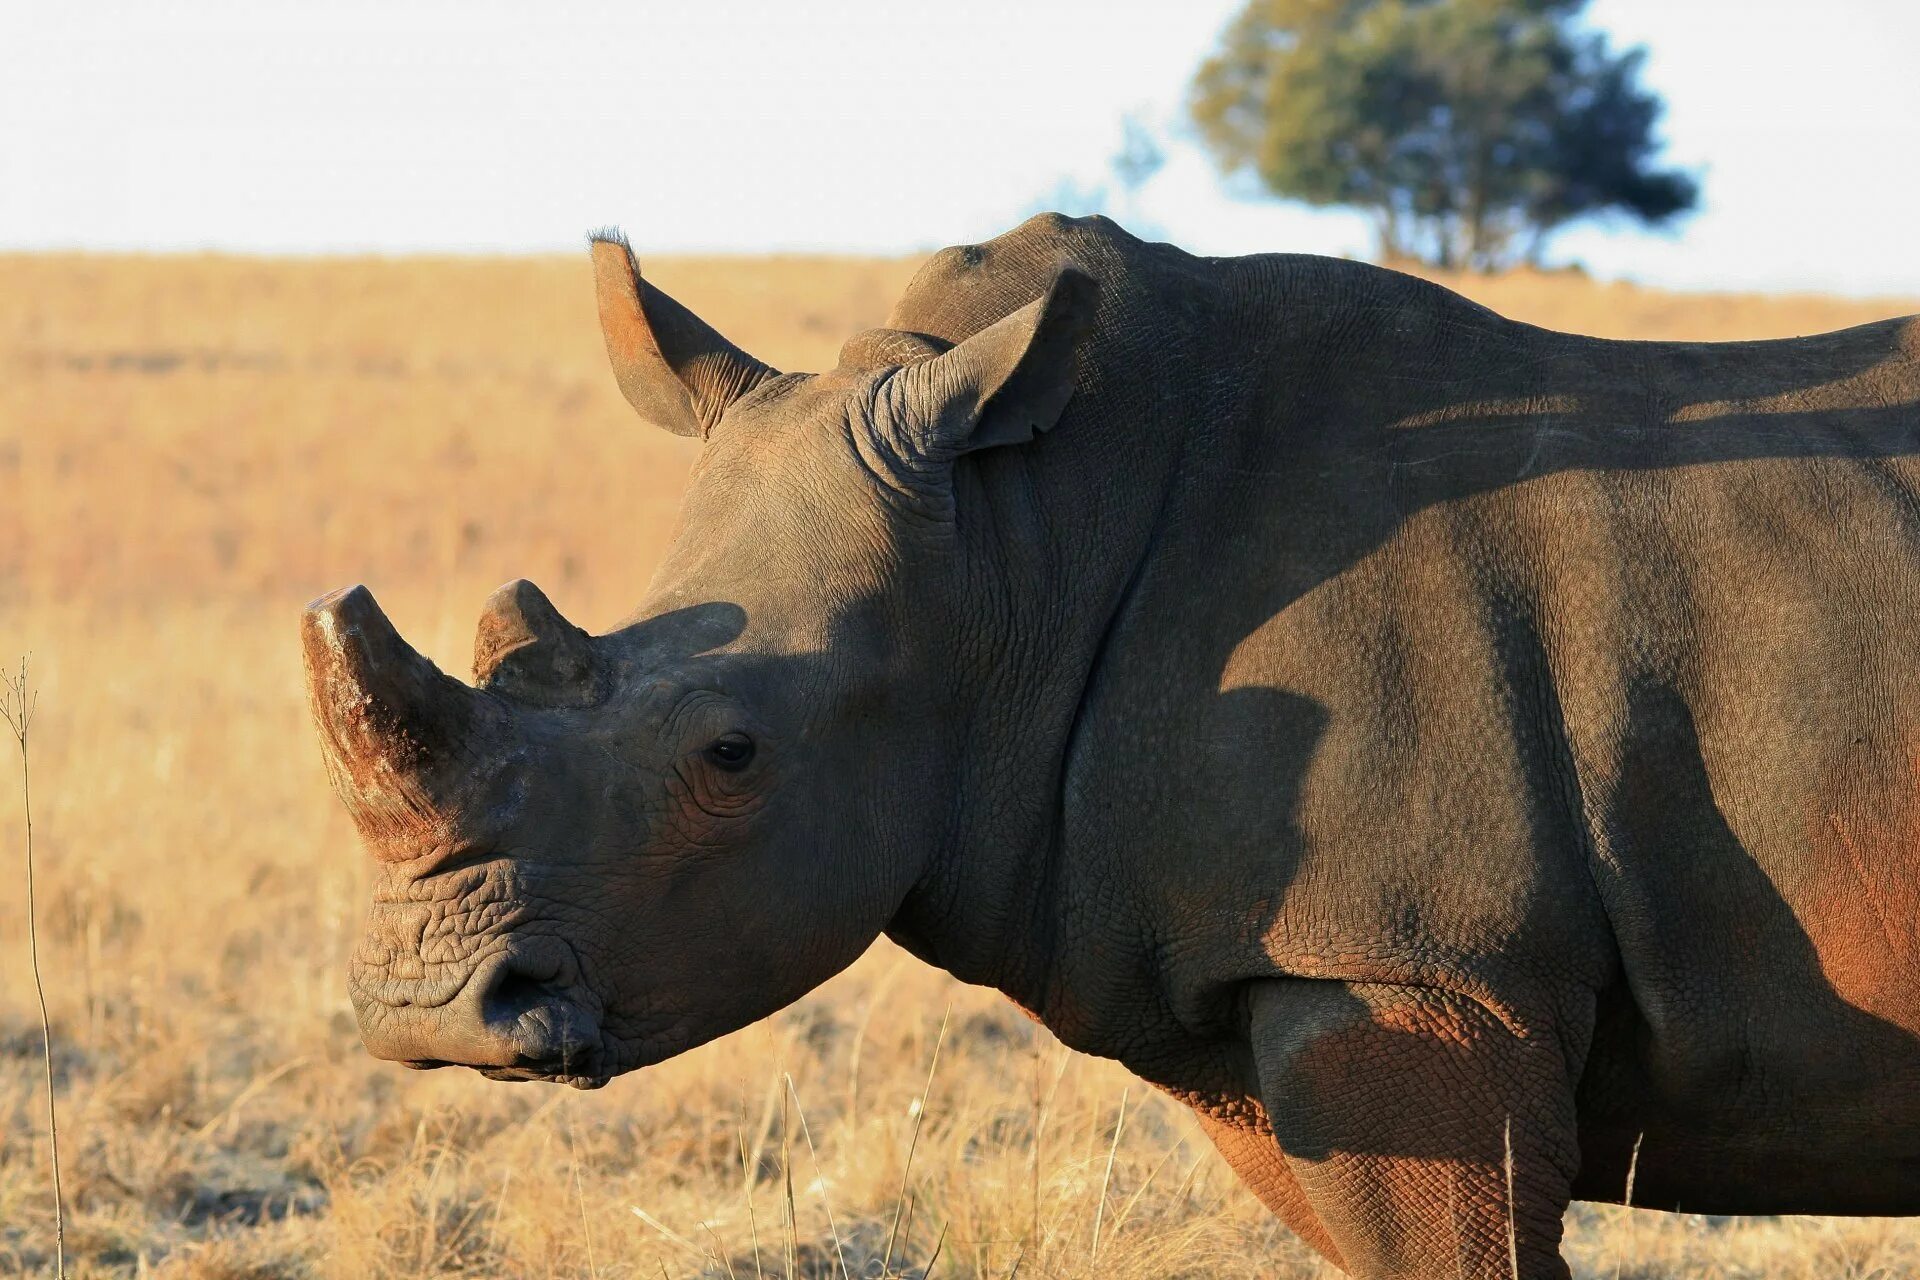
[674,369]
[527,651]
[401,738]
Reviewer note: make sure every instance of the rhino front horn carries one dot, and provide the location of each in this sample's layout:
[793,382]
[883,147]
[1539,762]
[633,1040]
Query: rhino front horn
[528,652]
[399,735]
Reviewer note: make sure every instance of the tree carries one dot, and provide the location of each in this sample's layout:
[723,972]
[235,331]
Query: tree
[1140,157]
[1471,130]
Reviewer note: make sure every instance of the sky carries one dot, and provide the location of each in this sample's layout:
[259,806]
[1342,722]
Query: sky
[867,126]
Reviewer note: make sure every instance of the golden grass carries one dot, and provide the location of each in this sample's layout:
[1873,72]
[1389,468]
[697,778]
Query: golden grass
[189,449]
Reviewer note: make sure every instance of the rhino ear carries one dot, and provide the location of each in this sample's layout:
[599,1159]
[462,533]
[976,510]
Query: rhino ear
[674,369]
[527,651]
[1003,385]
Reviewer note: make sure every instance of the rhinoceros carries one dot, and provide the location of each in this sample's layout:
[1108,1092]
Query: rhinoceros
[1455,758]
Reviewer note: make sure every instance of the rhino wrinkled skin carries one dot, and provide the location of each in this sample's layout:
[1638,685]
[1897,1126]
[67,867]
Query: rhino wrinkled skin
[1396,731]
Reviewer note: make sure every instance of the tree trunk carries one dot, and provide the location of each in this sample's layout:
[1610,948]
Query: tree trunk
[1537,244]
[1393,246]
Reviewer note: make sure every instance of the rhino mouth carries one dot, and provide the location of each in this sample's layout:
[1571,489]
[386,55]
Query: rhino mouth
[546,1074]
[521,1073]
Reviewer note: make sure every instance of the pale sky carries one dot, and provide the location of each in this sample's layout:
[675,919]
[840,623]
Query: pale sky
[865,126]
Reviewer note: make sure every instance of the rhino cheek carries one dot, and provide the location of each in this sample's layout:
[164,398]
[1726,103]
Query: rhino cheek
[700,955]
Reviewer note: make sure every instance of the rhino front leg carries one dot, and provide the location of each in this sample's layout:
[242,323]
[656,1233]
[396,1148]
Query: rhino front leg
[1396,1108]
[1248,1146]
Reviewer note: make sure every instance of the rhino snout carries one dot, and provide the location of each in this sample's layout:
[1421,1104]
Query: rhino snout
[520,1015]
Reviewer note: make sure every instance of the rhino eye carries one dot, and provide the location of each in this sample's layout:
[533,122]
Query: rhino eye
[732,753]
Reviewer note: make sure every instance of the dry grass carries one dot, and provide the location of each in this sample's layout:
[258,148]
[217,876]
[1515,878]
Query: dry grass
[191,448]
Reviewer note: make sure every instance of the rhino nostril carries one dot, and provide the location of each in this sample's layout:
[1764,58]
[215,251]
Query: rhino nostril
[530,998]
[515,991]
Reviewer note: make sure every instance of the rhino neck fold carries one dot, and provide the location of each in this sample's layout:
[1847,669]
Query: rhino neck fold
[991,908]
[1052,540]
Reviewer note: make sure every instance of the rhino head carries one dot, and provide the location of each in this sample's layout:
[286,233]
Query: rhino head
[612,848]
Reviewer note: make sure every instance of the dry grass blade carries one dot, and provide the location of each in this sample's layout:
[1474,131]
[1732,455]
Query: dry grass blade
[17,705]
[430,1231]
[1633,1167]
[668,1233]
[786,1178]
[819,1176]
[1106,1179]
[1035,1128]
[254,1087]
[770,1110]
[1513,1233]
[753,1221]
[913,1144]
[719,1249]
[860,1039]
[1126,1210]
[1042,1106]
[1626,1202]
[580,1193]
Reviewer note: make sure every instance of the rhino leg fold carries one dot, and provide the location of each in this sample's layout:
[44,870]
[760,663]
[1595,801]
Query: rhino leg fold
[1406,1113]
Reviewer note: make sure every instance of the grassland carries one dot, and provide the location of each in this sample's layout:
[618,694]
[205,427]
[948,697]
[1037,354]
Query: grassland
[190,448]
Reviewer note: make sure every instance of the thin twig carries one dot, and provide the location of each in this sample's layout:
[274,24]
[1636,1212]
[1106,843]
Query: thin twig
[17,706]
[937,1246]
[906,1230]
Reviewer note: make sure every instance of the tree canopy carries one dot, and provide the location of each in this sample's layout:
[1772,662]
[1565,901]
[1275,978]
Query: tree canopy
[1470,130]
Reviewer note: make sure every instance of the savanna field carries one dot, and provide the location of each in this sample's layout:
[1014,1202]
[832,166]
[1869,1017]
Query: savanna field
[190,449]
